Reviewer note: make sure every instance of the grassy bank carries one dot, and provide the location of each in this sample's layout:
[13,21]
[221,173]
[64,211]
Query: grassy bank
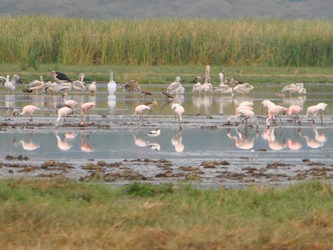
[60,214]
[32,40]
[167,73]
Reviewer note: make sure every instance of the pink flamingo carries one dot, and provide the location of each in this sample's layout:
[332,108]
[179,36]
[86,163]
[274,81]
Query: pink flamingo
[275,110]
[295,109]
[243,105]
[140,109]
[69,103]
[247,113]
[267,104]
[63,112]
[85,108]
[179,110]
[29,109]
[313,110]
[85,146]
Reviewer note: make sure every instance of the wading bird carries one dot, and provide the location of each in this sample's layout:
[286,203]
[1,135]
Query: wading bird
[179,110]
[10,85]
[243,89]
[69,103]
[59,77]
[139,110]
[154,133]
[131,86]
[29,109]
[176,87]
[85,108]
[36,85]
[295,109]
[80,85]
[274,110]
[112,86]
[92,88]
[63,112]
[314,110]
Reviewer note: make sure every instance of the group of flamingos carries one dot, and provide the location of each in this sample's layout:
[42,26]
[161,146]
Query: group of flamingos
[244,110]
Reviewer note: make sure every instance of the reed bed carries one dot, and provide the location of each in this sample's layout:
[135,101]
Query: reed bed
[62,214]
[33,40]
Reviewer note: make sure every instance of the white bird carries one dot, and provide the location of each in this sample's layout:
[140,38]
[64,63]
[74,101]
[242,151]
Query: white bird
[179,110]
[80,85]
[207,86]
[63,112]
[51,88]
[154,133]
[10,85]
[112,86]
[294,88]
[154,145]
[92,88]
[176,87]
[243,89]
[223,88]
[197,88]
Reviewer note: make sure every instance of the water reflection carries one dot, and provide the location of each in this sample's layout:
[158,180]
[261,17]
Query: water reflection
[62,143]
[85,145]
[27,145]
[112,101]
[177,141]
[287,102]
[243,141]
[138,140]
[205,101]
[317,139]
[273,139]
[223,102]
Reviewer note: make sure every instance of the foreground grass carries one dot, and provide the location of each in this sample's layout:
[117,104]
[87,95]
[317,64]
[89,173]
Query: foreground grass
[61,214]
[167,74]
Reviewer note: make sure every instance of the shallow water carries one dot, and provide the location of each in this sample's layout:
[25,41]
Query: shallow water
[204,137]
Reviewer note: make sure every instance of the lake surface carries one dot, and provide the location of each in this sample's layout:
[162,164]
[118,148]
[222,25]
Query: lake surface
[204,137]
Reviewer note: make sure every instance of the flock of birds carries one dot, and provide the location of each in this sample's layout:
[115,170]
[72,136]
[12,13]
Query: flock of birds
[227,86]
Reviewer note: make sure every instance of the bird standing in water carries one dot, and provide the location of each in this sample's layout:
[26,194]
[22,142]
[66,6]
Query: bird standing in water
[29,109]
[179,110]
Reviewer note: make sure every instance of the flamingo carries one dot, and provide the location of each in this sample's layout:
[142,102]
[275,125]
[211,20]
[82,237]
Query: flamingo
[267,104]
[140,109]
[69,103]
[29,109]
[313,110]
[247,113]
[63,144]
[243,105]
[63,112]
[10,85]
[112,86]
[26,145]
[85,145]
[154,133]
[177,142]
[85,108]
[131,86]
[92,88]
[59,77]
[80,85]
[179,110]
[295,109]
[274,110]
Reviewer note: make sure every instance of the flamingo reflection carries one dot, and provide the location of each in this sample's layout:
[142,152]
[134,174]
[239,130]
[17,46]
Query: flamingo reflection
[273,143]
[26,145]
[62,143]
[85,146]
[138,140]
[176,141]
[243,142]
[316,140]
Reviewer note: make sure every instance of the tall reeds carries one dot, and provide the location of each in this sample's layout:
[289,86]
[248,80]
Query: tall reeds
[31,40]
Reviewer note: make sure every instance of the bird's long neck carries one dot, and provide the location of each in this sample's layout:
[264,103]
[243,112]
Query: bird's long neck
[111,76]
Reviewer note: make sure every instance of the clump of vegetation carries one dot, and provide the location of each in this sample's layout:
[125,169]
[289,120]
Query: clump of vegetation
[58,214]
[33,40]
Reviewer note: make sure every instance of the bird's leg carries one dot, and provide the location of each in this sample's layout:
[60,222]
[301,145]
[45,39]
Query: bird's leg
[132,118]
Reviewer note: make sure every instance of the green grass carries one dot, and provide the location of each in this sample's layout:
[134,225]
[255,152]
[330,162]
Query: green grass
[31,41]
[62,214]
[167,74]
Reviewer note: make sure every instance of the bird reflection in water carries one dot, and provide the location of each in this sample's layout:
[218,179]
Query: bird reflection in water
[85,145]
[70,135]
[29,145]
[62,143]
[295,144]
[273,141]
[138,140]
[205,101]
[317,138]
[177,142]
[243,141]
[112,101]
